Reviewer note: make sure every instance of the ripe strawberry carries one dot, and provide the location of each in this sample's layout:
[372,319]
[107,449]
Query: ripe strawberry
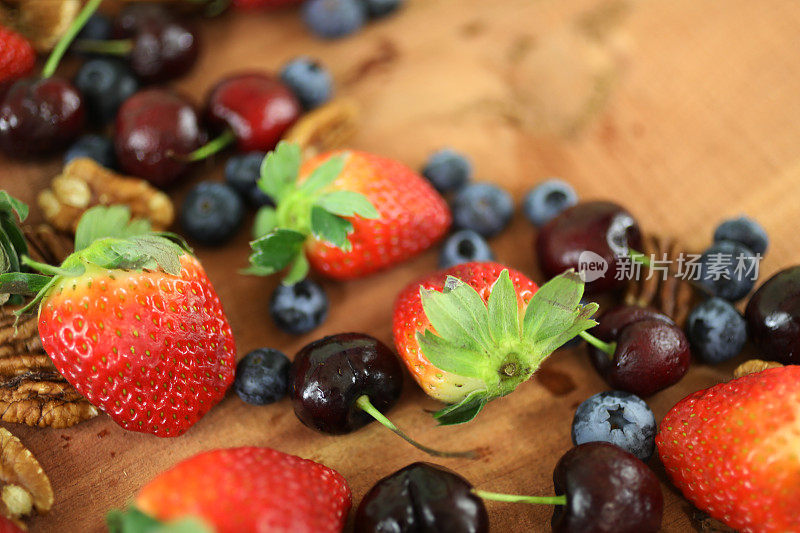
[474,332]
[17,57]
[353,213]
[133,323]
[732,450]
[256,4]
[240,490]
[7,526]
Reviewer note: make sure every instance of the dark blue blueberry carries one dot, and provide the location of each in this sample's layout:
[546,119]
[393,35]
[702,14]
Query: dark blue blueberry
[745,231]
[716,331]
[728,270]
[482,207]
[464,246]
[447,170]
[96,147]
[299,308]
[105,84]
[381,8]
[618,417]
[242,172]
[99,27]
[211,213]
[548,199]
[310,82]
[332,19]
[262,376]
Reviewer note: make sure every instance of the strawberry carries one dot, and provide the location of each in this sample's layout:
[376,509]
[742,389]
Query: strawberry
[133,323]
[732,450]
[7,526]
[474,332]
[257,4]
[352,213]
[17,57]
[241,490]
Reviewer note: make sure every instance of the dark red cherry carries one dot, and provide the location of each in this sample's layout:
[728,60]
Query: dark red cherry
[604,228]
[154,128]
[40,115]
[257,107]
[773,317]
[329,375]
[648,351]
[422,497]
[608,491]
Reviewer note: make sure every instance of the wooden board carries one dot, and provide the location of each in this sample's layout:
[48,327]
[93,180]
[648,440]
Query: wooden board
[686,111]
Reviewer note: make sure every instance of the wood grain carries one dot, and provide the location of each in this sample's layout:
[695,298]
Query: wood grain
[686,111]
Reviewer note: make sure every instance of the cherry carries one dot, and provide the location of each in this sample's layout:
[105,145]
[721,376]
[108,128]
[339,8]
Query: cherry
[638,350]
[773,317]
[154,128]
[342,382]
[422,497]
[603,228]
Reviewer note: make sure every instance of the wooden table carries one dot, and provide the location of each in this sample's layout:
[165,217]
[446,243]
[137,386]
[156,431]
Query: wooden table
[685,111]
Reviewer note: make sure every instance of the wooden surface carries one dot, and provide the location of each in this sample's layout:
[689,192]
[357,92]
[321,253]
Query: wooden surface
[685,111]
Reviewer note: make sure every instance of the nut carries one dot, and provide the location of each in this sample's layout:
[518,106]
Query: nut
[25,485]
[753,366]
[84,183]
[43,22]
[325,128]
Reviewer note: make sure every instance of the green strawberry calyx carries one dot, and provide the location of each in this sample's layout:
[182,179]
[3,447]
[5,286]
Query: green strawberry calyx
[135,521]
[494,342]
[303,209]
[106,238]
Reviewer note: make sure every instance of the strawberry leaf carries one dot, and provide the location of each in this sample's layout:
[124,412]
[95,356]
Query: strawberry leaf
[100,222]
[266,221]
[458,314]
[464,411]
[135,521]
[347,204]
[279,170]
[451,358]
[297,271]
[554,307]
[9,204]
[331,228]
[323,175]
[503,310]
[22,283]
[273,252]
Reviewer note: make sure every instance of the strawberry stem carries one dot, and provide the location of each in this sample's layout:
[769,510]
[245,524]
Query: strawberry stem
[607,347]
[212,147]
[514,498]
[115,47]
[66,39]
[365,405]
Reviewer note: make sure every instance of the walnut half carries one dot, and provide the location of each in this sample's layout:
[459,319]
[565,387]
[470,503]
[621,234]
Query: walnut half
[25,486]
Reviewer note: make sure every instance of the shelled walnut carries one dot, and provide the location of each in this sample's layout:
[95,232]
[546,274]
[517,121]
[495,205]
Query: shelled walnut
[25,486]
[325,128]
[84,183]
[753,366]
[43,22]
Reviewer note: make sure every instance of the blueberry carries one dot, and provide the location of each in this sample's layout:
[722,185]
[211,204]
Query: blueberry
[99,27]
[332,19]
[617,417]
[447,170]
[482,207]
[105,84]
[464,246]
[211,213]
[262,376]
[299,308]
[548,199]
[96,147]
[242,172]
[310,82]
[716,331]
[728,270]
[381,8]
[745,231]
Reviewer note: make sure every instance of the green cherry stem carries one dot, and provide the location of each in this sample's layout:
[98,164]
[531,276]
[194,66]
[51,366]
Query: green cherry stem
[513,498]
[212,147]
[114,47]
[607,347]
[66,39]
[639,257]
[365,405]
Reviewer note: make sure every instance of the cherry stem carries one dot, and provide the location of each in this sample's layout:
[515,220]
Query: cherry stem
[365,405]
[115,47]
[607,347]
[66,39]
[210,148]
[638,257]
[514,498]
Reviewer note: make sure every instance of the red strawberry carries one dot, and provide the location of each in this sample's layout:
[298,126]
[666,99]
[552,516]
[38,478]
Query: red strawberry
[241,490]
[133,323]
[732,450]
[353,213]
[17,57]
[255,4]
[7,526]
[474,332]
